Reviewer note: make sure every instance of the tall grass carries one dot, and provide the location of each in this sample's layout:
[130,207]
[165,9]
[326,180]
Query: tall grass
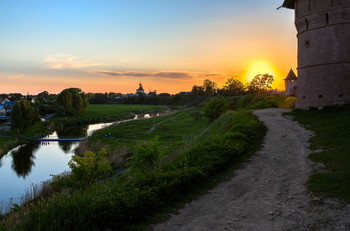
[125,200]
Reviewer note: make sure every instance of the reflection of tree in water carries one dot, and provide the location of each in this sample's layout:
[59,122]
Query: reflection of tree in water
[22,159]
[71,132]
[66,146]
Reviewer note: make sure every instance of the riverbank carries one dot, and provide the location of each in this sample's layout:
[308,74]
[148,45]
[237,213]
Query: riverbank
[128,198]
[11,139]
[97,113]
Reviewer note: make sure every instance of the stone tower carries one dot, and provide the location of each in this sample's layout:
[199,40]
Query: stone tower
[323,28]
[291,83]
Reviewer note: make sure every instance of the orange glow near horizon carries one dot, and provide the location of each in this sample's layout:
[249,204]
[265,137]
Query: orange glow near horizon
[259,67]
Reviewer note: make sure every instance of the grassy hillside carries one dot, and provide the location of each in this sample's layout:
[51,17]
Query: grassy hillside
[332,138]
[124,201]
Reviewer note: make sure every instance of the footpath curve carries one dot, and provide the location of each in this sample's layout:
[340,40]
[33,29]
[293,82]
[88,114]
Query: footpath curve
[269,192]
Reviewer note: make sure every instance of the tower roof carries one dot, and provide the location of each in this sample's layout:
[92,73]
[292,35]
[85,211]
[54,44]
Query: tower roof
[290,4]
[291,75]
[140,87]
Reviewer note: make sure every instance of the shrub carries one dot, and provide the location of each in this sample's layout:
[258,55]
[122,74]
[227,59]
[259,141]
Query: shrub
[90,167]
[146,155]
[215,107]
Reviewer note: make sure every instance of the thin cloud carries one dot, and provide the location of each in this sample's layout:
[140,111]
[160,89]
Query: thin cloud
[63,61]
[170,75]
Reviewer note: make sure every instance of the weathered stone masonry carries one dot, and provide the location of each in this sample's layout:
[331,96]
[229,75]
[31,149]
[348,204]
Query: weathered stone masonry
[323,51]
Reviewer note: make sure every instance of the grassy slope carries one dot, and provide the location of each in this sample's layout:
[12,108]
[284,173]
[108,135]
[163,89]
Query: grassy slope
[6,144]
[332,134]
[125,200]
[104,113]
[177,127]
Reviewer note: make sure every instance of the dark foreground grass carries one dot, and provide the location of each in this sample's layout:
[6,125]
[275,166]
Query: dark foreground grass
[127,200]
[332,135]
[108,112]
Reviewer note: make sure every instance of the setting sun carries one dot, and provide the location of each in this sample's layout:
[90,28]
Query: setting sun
[257,68]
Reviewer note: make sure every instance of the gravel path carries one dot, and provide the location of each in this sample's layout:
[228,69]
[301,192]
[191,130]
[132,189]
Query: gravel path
[269,193]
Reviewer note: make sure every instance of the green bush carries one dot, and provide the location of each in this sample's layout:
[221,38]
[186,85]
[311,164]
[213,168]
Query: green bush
[146,155]
[90,168]
[215,107]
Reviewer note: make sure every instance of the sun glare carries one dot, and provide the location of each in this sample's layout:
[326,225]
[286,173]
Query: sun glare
[257,68]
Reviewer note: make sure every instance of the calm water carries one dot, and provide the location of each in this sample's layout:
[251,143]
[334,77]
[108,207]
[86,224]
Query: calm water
[33,163]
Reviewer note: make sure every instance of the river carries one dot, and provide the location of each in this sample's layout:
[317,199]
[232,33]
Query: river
[32,163]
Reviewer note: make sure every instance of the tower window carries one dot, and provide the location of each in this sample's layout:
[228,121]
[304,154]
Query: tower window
[340,95]
[304,97]
[307,43]
[320,96]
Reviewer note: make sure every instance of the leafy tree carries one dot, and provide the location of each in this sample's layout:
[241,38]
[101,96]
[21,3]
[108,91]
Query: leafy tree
[260,83]
[233,87]
[77,102]
[43,94]
[23,115]
[97,98]
[197,91]
[65,100]
[16,96]
[209,87]
[72,101]
[215,107]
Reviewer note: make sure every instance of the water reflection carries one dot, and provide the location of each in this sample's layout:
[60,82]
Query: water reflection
[66,146]
[23,159]
[72,131]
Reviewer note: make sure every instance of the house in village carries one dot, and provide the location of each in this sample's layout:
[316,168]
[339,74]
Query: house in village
[3,111]
[323,28]
[291,84]
[5,108]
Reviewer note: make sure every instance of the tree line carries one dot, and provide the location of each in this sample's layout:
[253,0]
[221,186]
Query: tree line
[72,101]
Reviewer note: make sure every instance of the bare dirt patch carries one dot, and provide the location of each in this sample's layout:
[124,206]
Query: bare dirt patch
[269,193]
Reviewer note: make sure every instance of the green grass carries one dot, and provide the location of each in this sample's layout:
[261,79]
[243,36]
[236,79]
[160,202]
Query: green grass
[127,200]
[332,135]
[106,113]
[12,139]
[261,101]
[174,131]
[6,144]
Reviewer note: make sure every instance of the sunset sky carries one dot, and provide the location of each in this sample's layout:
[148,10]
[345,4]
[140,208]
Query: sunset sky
[168,45]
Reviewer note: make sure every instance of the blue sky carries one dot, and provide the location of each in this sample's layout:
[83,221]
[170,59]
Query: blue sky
[51,45]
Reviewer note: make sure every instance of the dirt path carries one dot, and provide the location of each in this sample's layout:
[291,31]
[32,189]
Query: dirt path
[269,193]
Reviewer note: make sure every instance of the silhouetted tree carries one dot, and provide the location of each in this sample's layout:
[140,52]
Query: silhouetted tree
[233,87]
[209,87]
[197,91]
[260,83]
